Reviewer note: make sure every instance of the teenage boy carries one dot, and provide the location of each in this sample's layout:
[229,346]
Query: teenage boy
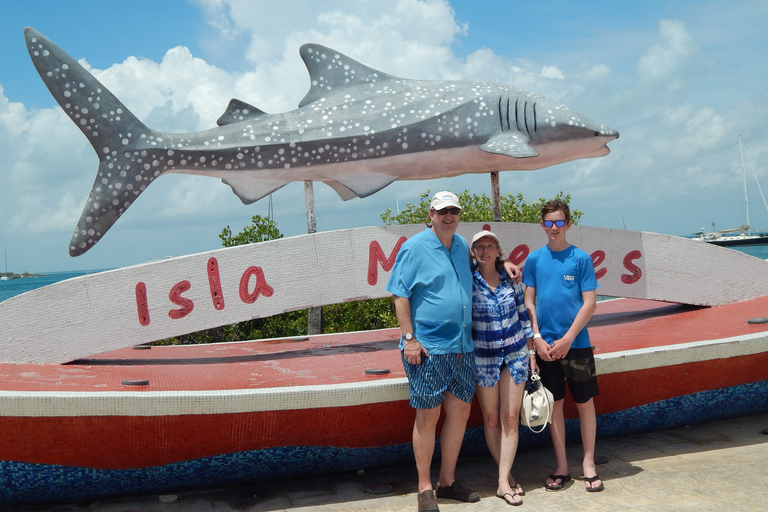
[561,298]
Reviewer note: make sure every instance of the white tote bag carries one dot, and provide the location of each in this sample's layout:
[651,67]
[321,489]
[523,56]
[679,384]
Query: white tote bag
[536,409]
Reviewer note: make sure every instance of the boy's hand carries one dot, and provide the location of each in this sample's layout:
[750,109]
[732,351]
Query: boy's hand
[559,349]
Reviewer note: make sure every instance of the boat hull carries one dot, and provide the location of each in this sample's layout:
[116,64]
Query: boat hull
[82,431]
[738,242]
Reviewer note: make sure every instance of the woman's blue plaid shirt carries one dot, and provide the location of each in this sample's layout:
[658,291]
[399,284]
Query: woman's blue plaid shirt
[500,326]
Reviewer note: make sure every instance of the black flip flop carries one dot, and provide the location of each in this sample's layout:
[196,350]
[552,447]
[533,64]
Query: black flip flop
[519,492]
[591,480]
[556,487]
[513,494]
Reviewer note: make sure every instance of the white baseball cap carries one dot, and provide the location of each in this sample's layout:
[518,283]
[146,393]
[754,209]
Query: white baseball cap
[483,234]
[444,199]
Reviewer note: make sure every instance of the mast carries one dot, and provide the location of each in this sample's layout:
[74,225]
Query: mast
[744,180]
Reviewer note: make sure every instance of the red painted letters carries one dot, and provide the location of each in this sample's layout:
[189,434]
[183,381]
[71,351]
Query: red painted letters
[250,293]
[519,254]
[214,283]
[175,296]
[141,303]
[376,255]
[597,258]
[636,272]
[261,285]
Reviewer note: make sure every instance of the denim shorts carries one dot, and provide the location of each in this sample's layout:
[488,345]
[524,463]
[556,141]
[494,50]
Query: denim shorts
[577,369]
[437,374]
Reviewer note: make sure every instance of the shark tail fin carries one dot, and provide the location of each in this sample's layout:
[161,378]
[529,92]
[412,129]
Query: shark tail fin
[119,138]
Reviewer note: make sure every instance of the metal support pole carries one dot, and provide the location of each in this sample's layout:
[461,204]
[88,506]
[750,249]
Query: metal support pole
[496,195]
[314,315]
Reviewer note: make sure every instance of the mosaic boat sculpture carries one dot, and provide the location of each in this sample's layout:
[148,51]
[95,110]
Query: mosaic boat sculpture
[86,413]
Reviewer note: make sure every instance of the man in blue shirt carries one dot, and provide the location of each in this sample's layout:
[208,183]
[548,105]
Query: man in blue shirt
[431,283]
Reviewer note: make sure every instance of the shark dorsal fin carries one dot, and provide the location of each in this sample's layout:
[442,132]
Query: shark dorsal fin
[238,111]
[330,70]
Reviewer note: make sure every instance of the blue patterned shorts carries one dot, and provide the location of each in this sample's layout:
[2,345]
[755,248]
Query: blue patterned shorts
[437,374]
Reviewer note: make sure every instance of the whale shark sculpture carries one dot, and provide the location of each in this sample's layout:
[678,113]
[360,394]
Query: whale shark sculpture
[357,130]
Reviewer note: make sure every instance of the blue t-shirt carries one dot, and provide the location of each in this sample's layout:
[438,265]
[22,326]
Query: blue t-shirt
[438,284]
[559,279]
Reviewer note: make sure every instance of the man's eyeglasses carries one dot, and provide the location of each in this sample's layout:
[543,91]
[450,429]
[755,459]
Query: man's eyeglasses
[452,211]
[558,223]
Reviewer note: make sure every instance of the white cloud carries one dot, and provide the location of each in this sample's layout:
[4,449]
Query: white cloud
[13,117]
[595,73]
[41,214]
[552,72]
[667,64]
[680,102]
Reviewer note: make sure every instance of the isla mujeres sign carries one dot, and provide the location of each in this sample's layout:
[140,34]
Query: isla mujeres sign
[134,305]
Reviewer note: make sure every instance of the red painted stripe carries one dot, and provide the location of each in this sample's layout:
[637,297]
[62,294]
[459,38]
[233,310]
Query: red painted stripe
[111,442]
[134,442]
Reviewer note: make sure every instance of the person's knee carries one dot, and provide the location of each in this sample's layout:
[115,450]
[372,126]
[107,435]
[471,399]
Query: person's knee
[585,407]
[427,417]
[492,421]
[457,410]
[511,419]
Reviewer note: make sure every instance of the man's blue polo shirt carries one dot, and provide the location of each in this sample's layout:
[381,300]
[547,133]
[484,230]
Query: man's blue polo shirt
[438,284]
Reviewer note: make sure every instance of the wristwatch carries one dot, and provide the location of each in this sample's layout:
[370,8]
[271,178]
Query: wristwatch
[408,336]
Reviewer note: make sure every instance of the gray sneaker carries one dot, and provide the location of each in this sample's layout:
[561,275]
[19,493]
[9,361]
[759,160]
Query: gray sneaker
[458,491]
[428,502]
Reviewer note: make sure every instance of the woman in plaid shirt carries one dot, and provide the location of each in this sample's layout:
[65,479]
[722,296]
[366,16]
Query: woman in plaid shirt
[503,340]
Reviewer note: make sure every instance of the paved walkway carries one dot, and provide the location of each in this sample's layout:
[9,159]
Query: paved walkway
[720,466]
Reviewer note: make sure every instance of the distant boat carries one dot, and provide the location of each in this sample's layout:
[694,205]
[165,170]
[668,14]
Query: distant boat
[4,277]
[727,237]
[722,238]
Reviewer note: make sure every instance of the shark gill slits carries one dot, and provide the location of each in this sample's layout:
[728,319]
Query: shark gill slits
[508,125]
[535,121]
[525,118]
[501,119]
[517,119]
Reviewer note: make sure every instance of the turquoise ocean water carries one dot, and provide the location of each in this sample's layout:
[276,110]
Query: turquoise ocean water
[14,287]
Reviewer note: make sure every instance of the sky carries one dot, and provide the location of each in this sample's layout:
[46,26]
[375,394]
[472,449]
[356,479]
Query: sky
[680,80]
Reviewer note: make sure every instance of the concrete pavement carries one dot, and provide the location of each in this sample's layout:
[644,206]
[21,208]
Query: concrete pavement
[719,466]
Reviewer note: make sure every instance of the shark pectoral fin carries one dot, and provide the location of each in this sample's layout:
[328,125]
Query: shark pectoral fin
[510,144]
[344,193]
[364,184]
[251,190]
[238,111]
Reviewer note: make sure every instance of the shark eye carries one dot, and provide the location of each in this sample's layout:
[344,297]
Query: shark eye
[597,134]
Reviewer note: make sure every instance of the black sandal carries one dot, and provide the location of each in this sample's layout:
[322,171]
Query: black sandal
[556,487]
[592,480]
[512,494]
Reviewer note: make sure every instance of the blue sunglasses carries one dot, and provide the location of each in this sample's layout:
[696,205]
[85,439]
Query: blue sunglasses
[558,223]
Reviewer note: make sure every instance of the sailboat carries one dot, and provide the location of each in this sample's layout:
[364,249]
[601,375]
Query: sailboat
[742,234]
[4,277]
